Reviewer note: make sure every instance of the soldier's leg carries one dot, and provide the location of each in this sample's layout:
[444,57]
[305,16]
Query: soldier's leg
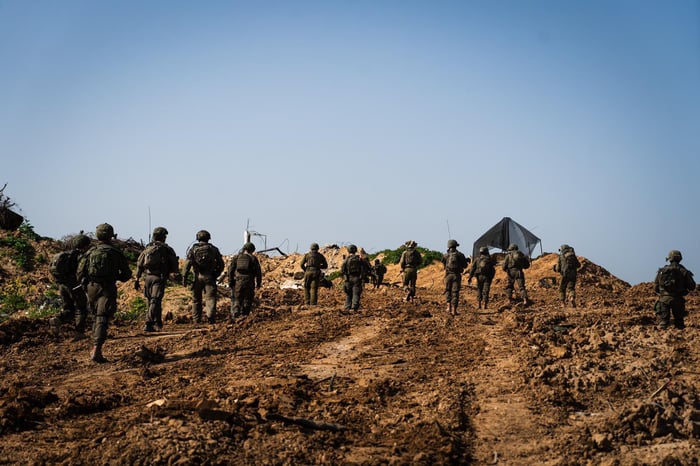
[562,290]
[248,298]
[678,310]
[197,288]
[313,292]
[571,289]
[663,313]
[521,286]
[105,303]
[510,286]
[356,294]
[236,301]
[486,291]
[148,292]
[307,288]
[81,305]
[347,288]
[210,291]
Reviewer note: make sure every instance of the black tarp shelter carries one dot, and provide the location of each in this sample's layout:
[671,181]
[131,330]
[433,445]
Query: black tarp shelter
[505,233]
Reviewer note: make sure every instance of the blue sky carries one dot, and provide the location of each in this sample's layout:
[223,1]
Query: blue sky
[371,122]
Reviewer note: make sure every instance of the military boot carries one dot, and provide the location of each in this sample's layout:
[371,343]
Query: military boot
[55,324]
[449,308]
[563,303]
[479,305]
[486,304]
[96,354]
[573,302]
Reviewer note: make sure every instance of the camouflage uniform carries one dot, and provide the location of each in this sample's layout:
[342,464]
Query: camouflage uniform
[72,293]
[100,268]
[454,262]
[378,272]
[514,272]
[156,276]
[672,283]
[205,274]
[409,262]
[484,268]
[312,264]
[244,275]
[354,271]
[567,266]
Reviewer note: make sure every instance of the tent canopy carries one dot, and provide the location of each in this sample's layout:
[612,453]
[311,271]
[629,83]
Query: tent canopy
[507,232]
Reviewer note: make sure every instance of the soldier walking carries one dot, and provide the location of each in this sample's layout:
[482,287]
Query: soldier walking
[99,269]
[567,266]
[313,265]
[672,283]
[409,262]
[455,263]
[156,263]
[514,265]
[207,264]
[353,270]
[378,272]
[244,276]
[484,268]
[64,269]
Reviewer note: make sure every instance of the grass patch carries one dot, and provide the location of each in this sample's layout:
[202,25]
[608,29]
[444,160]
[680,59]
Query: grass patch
[138,307]
[393,256]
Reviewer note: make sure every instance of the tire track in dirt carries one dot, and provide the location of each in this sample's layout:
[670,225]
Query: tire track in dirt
[505,427]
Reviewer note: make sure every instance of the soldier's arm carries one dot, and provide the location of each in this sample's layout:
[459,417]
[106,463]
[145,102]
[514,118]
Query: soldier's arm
[324,263]
[258,273]
[124,269]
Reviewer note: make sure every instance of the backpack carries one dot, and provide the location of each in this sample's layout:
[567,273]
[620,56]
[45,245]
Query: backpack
[101,263]
[354,265]
[570,262]
[244,263]
[61,267]
[314,260]
[154,258]
[413,258]
[484,266]
[204,258]
[452,262]
[520,260]
[672,281]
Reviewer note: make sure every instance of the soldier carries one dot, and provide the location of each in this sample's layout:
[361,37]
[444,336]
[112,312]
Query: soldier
[672,283]
[244,275]
[157,262]
[410,260]
[484,267]
[353,269]
[313,264]
[207,264]
[378,272]
[99,269]
[64,268]
[567,266]
[454,262]
[514,265]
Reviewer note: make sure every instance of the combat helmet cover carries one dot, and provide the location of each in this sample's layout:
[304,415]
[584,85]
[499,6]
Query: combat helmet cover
[104,232]
[484,250]
[352,249]
[314,246]
[674,256]
[203,235]
[159,233]
[250,247]
[452,243]
[513,247]
[80,241]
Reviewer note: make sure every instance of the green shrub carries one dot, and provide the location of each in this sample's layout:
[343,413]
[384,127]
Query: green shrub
[13,297]
[42,312]
[393,256]
[137,310]
[333,275]
[23,251]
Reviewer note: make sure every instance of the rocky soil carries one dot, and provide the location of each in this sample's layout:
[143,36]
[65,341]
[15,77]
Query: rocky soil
[395,383]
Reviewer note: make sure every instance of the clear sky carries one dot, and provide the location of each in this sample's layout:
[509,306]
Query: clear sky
[371,122]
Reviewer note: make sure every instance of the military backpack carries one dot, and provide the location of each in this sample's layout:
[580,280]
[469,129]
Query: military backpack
[484,266]
[102,262]
[155,258]
[520,260]
[62,266]
[244,263]
[452,262]
[314,260]
[354,265]
[569,262]
[412,258]
[672,280]
[204,258]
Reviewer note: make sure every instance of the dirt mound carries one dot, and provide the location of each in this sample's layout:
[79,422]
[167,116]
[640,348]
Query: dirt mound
[395,383]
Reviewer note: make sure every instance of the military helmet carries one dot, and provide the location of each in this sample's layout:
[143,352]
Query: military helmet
[352,249]
[376,261]
[674,256]
[513,247]
[484,250]
[411,244]
[80,241]
[159,233]
[452,243]
[250,247]
[104,231]
[203,235]
[314,246]
[564,247]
